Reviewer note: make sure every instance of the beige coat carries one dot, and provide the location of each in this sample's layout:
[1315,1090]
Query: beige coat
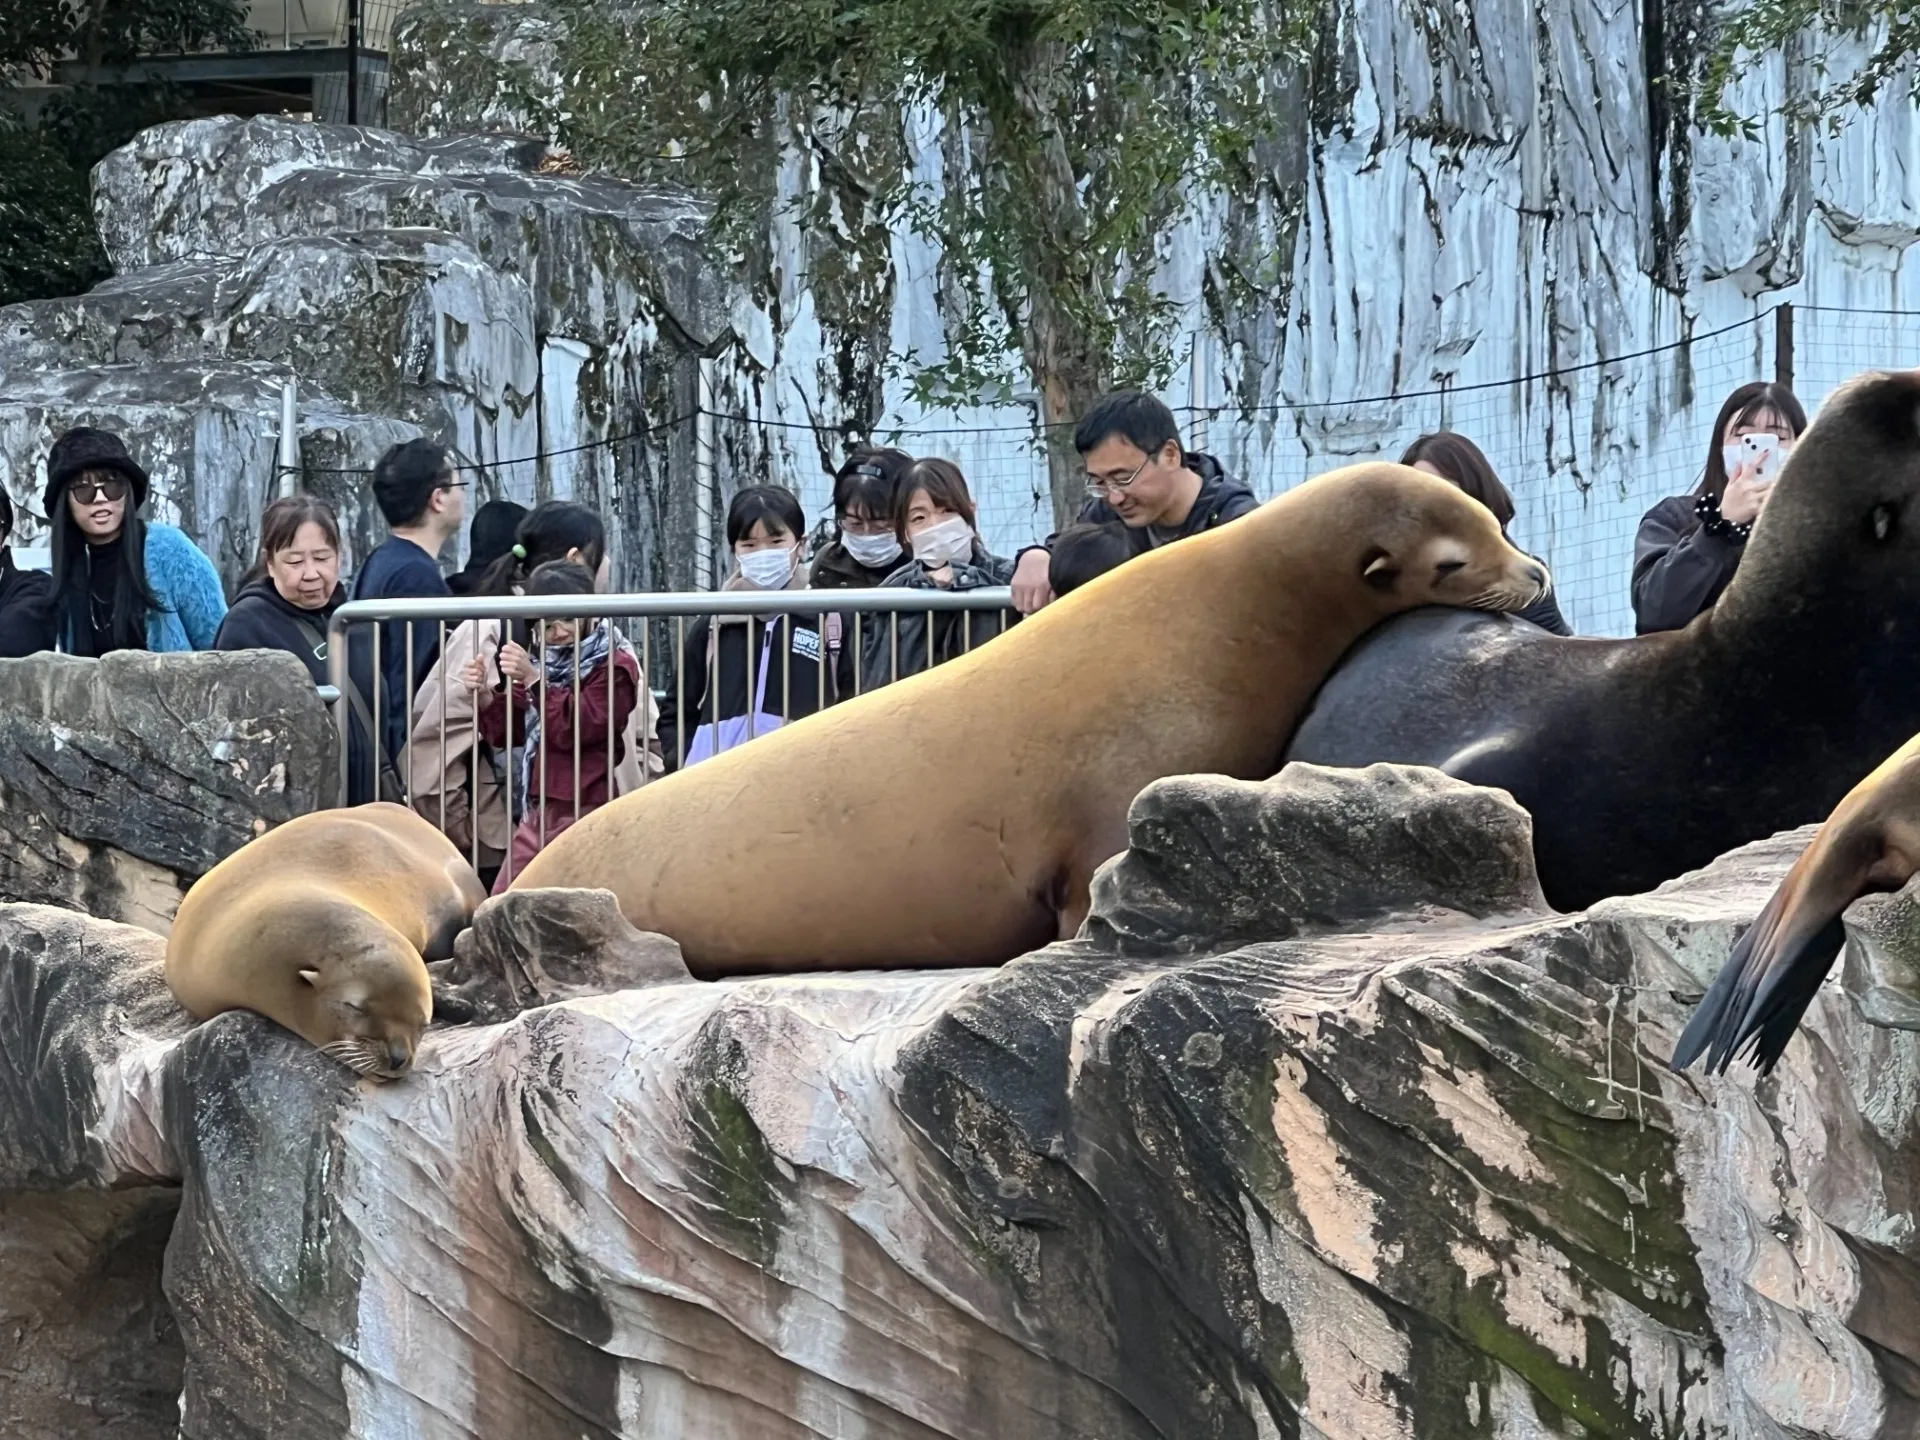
[440,760]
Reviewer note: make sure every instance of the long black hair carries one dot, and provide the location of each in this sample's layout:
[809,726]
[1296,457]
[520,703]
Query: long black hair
[132,597]
[548,533]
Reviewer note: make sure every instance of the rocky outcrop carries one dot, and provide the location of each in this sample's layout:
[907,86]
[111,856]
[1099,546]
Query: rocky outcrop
[1232,1164]
[123,780]
[407,286]
[88,1347]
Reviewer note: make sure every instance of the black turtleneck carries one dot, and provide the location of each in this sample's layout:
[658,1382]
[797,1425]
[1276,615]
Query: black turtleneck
[92,589]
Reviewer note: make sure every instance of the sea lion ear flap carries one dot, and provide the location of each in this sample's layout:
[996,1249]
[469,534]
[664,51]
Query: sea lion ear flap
[312,977]
[1379,571]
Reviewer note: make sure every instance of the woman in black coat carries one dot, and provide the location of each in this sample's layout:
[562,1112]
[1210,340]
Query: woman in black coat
[288,597]
[741,676]
[865,550]
[1690,545]
[934,516]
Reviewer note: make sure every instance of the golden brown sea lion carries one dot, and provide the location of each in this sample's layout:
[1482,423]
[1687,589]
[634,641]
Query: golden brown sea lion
[956,817]
[324,924]
[1871,843]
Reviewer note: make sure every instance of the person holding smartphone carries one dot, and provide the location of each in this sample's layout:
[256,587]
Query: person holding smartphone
[1690,545]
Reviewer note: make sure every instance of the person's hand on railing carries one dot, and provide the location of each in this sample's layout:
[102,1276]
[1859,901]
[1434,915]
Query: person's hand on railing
[516,664]
[473,675]
[1031,591]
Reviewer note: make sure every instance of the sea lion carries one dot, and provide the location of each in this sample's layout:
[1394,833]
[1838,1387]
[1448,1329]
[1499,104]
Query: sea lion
[1870,844]
[1643,759]
[957,816]
[324,924]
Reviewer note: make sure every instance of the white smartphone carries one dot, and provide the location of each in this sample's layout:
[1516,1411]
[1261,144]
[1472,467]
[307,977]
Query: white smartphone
[1767,452]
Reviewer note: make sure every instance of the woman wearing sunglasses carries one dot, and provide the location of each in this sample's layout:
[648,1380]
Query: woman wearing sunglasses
[120,583]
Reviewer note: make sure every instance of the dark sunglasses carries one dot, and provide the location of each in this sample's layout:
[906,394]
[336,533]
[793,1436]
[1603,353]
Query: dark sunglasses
[114,487]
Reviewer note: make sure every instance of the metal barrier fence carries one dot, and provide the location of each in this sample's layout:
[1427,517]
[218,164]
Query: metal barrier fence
[449,770]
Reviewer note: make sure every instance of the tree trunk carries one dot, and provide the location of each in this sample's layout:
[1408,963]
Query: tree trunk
[1062,296]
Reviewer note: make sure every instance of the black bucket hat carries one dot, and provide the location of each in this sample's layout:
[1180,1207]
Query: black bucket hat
[84,448]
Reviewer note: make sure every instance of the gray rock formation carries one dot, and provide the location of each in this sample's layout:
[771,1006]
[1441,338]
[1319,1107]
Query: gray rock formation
[530,948]
[407,286]
[123,780]
[1425,1178]
[88,1347]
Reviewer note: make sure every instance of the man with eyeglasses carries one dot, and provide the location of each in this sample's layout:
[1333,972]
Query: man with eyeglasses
[424,504]
[1138,474]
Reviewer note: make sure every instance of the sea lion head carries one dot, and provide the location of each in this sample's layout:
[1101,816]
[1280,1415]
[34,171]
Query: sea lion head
[1419,540]
[1841,529]
[369,1000]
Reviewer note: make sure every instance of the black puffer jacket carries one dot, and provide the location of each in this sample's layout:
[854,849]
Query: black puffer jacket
[26,609]
[1221,498]
[835,569]
[954,631]
[261,618]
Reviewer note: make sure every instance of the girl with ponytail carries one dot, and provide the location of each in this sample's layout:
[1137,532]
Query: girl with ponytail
[445,720]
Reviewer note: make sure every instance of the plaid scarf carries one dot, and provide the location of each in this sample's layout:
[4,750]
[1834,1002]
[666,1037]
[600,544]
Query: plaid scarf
[593,652]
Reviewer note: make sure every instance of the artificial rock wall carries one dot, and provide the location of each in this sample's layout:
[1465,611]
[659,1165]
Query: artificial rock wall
[1324,1127]
[444,287]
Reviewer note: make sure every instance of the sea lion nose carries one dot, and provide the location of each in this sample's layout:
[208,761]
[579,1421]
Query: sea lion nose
[398,1057]
[1538,575]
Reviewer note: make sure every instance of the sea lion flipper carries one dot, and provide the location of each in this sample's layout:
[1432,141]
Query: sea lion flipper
[1756,1001]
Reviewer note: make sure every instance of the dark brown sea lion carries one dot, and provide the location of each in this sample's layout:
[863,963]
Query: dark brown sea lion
[1870,844]
[1642,759]
[956,818]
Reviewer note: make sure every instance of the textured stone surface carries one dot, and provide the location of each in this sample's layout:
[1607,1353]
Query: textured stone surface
[530,948]
[548,328]
[125,779]
[87,1343]
[436,336]
[1421,1180]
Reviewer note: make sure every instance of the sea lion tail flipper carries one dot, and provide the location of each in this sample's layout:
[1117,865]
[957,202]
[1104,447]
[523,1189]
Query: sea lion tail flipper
[1774,971]
[1777,1010]
[1717,1016]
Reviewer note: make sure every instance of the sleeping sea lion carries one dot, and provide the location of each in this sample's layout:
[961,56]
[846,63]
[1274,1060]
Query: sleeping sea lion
[957,816]
[325,924]
[1643,759]
[1870,844]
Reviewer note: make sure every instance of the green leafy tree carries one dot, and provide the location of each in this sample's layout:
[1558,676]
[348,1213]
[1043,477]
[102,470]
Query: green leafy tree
[48,245]
[1076,133]
[1749,32]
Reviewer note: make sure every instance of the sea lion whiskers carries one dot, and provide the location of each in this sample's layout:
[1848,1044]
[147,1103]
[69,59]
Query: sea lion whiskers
[358,1053]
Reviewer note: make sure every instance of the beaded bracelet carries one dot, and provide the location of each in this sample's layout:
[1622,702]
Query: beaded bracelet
[1707,507]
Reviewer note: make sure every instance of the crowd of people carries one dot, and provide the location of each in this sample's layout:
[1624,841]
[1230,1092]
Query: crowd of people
[494,726]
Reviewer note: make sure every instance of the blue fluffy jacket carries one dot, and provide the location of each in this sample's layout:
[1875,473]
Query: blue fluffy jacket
[188,599]
[186,590]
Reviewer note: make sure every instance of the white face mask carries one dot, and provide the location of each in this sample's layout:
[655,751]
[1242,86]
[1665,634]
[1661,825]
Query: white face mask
[767,569]
[944,543]
[872,551]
